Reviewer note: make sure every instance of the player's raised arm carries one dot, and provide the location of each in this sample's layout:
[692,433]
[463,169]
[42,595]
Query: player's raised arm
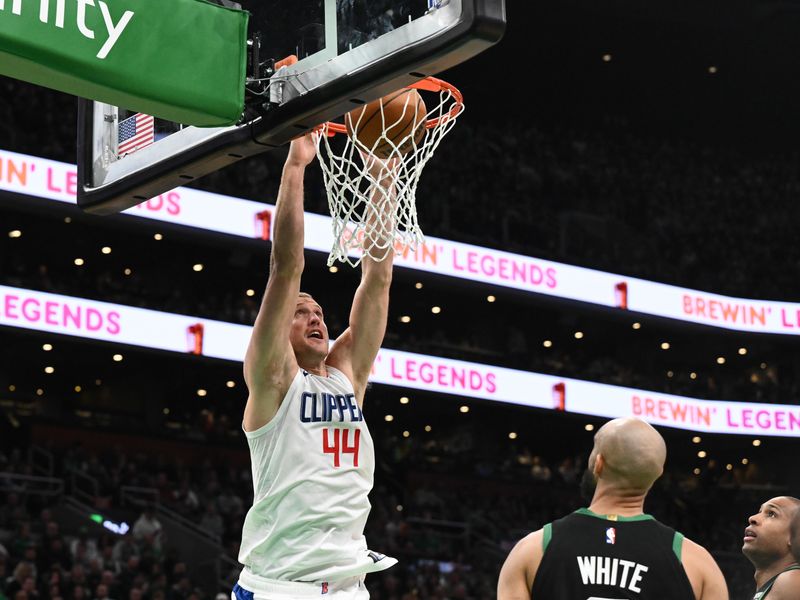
[270,363]
[355,350]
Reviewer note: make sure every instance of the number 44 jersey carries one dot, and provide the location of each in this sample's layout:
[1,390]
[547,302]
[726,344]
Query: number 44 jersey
[312,469]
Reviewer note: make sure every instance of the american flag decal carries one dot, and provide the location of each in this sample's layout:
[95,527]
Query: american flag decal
[135,133]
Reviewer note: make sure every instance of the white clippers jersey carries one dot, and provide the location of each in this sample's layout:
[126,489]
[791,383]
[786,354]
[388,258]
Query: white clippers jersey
[312,470]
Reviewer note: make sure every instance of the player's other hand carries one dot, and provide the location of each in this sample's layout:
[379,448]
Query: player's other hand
[302,150]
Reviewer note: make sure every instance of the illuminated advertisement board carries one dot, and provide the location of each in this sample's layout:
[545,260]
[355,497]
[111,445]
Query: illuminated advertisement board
[57,181]
[191,335]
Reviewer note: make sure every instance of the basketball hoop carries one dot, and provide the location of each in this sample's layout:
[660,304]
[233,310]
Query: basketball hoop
[372,189]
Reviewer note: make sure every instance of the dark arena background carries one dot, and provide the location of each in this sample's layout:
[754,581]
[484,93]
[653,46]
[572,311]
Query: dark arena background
[655,141]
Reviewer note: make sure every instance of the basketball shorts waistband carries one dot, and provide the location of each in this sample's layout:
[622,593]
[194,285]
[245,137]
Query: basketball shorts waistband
[261,586]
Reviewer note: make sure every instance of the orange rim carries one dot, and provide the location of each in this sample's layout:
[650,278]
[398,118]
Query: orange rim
[429,84]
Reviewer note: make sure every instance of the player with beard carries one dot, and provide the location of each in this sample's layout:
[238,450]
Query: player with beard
[769,543]
[612,550]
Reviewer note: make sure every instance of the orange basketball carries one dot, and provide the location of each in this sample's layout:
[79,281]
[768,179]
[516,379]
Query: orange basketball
[380,131]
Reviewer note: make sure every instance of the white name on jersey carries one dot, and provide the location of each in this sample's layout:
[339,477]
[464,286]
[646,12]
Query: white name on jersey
[604,570]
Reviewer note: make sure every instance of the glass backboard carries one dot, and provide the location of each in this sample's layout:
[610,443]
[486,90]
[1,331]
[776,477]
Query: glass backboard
[349,52]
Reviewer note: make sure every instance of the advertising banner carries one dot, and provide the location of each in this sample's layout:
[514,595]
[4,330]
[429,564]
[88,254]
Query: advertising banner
[65,315]
[185,64]
[35,176]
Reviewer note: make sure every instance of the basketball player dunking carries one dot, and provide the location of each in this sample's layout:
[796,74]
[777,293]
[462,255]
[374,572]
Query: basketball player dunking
[312,454]
[770,545]
[612,550]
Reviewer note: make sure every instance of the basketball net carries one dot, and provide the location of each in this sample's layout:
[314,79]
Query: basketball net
[372,199]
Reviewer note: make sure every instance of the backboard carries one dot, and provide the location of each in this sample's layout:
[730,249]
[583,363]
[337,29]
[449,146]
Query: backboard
[349,52]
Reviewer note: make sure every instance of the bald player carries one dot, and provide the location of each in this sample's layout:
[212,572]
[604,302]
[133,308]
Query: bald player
[773,548]
[612,550]
[795,531]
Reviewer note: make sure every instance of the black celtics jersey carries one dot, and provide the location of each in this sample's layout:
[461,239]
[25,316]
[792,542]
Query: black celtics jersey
[765,589]
[604,557]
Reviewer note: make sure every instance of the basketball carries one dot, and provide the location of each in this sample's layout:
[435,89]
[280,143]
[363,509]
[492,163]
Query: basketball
[386,124]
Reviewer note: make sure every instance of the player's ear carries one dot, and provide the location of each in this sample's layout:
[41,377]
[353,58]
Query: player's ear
[599,465]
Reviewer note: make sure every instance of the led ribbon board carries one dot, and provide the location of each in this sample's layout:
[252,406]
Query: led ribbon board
[33,176]
[181,333]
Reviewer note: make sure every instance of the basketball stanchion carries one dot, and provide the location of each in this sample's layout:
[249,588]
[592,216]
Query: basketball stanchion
[371,172]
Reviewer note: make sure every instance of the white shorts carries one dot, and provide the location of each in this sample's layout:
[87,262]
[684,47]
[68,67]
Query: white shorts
[352,588]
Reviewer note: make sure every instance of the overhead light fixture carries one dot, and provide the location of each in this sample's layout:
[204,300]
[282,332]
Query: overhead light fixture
[756,443]
[512,435]
[230,383]
[250,293]
[589,427]
[665,345]
[47,347]
[333,269]
[14,233]
[606,58]
[404,400]
[202,393]
[720,360]
[578,335]
[436,309]
[405,319]
[464,408]
[742,351]
[106,249]
[637,325]
[547,344]
[418,285]
[490,298]
[388,418]
[197,267]
[78,262]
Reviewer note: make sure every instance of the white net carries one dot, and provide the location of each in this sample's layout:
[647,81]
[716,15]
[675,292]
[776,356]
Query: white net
[372,190]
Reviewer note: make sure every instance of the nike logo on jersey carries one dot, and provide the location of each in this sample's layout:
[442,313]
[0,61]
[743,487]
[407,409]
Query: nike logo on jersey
[322,408]
[604,570]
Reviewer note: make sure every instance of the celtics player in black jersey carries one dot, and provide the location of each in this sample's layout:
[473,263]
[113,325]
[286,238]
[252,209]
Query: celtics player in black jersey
[774,549]
[612,550]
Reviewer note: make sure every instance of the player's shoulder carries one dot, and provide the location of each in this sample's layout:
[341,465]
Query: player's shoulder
[703,572]
[787,586]
[530,549]
[692,551]
[526,556]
